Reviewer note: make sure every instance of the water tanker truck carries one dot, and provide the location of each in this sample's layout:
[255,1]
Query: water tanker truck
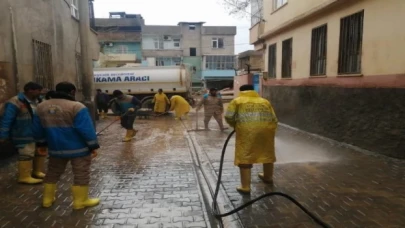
[144,82]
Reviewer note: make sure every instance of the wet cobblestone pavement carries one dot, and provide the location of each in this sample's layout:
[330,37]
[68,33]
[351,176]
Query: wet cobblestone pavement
[152,182]
[345,188]
[149,182]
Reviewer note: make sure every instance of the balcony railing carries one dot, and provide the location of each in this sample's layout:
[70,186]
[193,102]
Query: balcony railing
[256,31]
[121,57]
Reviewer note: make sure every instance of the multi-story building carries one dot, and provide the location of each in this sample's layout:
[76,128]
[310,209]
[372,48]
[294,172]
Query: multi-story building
[40,42]
[336,68]
[249,65]
[207,50]
[120,39]
[250,61]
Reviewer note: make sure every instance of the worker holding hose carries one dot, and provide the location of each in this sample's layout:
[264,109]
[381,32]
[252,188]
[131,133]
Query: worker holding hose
[255,124]
[127,106]
[65,127]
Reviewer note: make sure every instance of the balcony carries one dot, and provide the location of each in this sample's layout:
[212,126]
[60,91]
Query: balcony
[255,32]
[121,57]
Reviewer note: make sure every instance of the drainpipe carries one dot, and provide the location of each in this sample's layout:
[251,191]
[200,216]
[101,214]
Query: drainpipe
[201,51]
[15,50]
[88,78]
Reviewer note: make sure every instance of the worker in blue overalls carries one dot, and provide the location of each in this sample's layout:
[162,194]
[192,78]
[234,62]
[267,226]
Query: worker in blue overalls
[126,105]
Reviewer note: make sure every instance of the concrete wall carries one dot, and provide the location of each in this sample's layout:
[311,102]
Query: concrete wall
[46,21]
[191,39]
[169,50]
[255,62]
[229,45]
[290,11]
[119,36]
[370,118]
[364,110]
[239,81]
[383,49]
[218,73]
[194,61]
[161,30]
[131,47]
[162,53]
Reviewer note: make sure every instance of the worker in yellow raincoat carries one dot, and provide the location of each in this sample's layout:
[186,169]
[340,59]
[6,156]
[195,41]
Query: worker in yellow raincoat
[180,106]
[255,124]
[160,100]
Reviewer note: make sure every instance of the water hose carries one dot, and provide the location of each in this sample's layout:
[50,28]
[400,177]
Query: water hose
[215,209]
[112,122]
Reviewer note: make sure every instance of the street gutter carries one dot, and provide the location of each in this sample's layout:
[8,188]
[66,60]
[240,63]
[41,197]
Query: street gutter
[207,175]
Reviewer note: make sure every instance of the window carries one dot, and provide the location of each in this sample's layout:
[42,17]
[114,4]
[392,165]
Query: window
[74,4]
[191,27]
[286,61]
[158,42]
[122,49]
[350,46]
[160,63]
[318,51]
[193,51]
[257,11]
[279,3]
[168,61]
[217,43]
[43,72]
[272,61]
[176,42]
[220,62]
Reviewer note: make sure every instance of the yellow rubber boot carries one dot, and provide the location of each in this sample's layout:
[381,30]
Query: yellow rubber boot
[128,137]
[25,170]
[133,133]
[81,197]
[267,175]
[105,115]
[245,179]
[49,195]
[39,167]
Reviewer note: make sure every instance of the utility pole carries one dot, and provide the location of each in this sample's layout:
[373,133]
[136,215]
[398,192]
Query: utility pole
[87,65]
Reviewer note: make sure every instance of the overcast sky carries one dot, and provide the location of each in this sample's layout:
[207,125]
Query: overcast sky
[170,12]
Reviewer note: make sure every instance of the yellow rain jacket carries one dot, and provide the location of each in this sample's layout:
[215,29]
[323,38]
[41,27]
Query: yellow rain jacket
[255,124]
[160,101]
[179,105]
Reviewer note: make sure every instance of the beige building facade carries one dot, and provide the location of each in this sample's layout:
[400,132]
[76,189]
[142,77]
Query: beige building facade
[39,41]
[336,68]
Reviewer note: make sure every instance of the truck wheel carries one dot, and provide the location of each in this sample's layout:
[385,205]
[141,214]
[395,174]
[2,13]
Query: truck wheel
[147,103]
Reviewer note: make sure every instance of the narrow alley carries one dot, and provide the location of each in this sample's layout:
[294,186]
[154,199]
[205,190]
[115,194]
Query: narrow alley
[156,181]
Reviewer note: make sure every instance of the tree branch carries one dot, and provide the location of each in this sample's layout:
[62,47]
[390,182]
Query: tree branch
[237,7]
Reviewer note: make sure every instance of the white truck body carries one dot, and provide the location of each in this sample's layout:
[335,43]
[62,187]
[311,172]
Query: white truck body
[143,80]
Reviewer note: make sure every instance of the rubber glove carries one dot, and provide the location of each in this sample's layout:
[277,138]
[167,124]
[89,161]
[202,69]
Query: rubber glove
[43,151]
[94,154]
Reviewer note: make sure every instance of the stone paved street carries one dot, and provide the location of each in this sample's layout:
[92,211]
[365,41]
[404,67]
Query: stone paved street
[152,182]
[344,187]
